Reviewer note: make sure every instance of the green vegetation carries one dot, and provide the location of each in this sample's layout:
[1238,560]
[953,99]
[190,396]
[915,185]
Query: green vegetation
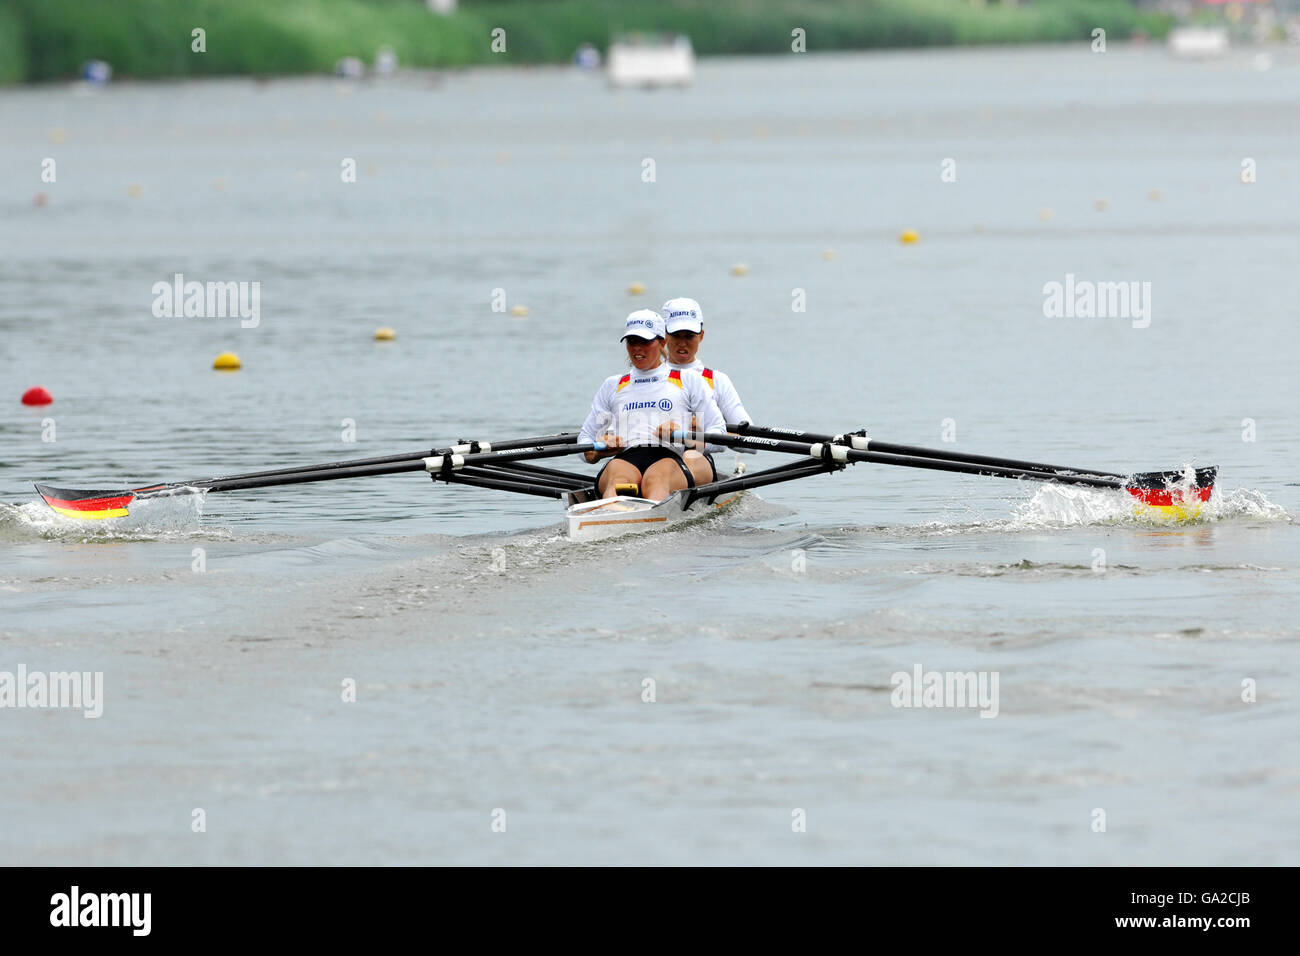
[13,58]
[50,39]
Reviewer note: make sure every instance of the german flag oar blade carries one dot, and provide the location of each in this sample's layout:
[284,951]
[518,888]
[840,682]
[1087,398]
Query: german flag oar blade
[80,503]
[1169,492]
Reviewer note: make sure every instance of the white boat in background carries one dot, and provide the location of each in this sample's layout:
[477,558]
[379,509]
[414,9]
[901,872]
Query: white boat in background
[1198,42]
[650,62]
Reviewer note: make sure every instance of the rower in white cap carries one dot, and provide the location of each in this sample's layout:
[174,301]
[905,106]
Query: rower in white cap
[684,325]
[636,413]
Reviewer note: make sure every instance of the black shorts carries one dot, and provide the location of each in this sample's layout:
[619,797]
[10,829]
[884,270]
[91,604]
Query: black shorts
[642,457]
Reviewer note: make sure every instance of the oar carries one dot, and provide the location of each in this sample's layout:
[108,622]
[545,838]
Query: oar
[1158,488]
[463,447]
[862,442]
[97,504]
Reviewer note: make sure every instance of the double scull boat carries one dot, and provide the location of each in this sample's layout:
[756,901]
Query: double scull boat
[1176,495]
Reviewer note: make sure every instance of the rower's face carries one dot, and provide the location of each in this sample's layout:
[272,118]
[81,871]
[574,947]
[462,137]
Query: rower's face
[682,346]
[642,353]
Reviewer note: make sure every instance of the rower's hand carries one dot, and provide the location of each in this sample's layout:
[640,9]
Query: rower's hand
[613,443]
[667,431]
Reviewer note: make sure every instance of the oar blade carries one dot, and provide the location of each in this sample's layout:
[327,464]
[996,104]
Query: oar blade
[93,505]
[1169,494]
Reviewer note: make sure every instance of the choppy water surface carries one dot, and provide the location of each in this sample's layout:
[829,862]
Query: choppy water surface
[499,666]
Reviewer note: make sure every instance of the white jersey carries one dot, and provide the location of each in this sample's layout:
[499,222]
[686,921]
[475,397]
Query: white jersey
[633,405]
[724,393]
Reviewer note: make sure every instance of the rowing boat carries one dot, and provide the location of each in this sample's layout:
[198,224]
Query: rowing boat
[625,514]
[1174,495]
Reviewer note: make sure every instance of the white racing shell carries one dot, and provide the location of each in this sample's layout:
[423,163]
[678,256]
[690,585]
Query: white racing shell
[611,517]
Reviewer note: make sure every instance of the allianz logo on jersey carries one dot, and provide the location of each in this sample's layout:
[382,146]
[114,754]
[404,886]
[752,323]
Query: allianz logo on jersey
[664,405]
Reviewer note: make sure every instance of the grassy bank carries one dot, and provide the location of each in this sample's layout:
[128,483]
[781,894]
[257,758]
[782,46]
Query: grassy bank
[50,39]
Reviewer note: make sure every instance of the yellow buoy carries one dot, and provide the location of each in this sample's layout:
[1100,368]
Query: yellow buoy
[909,236]
[1045,214]
[1101,205]
[134,191]
[384,334]
[828,254]
[519,310]
[226,361]
[1155,195]
[636,288]
[740,269]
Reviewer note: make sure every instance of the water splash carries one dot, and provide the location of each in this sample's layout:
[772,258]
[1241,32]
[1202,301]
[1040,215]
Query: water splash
[159,518]
[1065,506]
[1244,503]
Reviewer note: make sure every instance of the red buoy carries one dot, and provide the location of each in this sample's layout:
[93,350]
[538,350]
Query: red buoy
[37,396]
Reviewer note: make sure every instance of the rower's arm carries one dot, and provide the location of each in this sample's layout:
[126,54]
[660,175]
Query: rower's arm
[729,403]
[599,421]
[708,417]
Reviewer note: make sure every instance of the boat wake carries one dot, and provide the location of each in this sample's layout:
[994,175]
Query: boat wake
[151,519]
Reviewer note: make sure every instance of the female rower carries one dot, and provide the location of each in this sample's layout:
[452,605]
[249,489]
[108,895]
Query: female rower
[684,324]
[636,413]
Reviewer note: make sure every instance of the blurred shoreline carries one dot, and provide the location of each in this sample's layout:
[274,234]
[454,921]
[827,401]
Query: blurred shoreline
[44,40]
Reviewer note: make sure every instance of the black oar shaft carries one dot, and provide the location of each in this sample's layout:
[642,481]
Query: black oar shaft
[941,455]
[937,454]
[513,443]
[908,461]
[505,472]
[322,474]
[757,479]
[475,480]
[448,464]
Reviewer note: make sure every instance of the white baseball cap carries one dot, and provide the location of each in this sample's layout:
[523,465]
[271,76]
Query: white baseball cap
[644,324]
[683,315]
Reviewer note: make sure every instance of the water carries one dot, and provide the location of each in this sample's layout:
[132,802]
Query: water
[497,665]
